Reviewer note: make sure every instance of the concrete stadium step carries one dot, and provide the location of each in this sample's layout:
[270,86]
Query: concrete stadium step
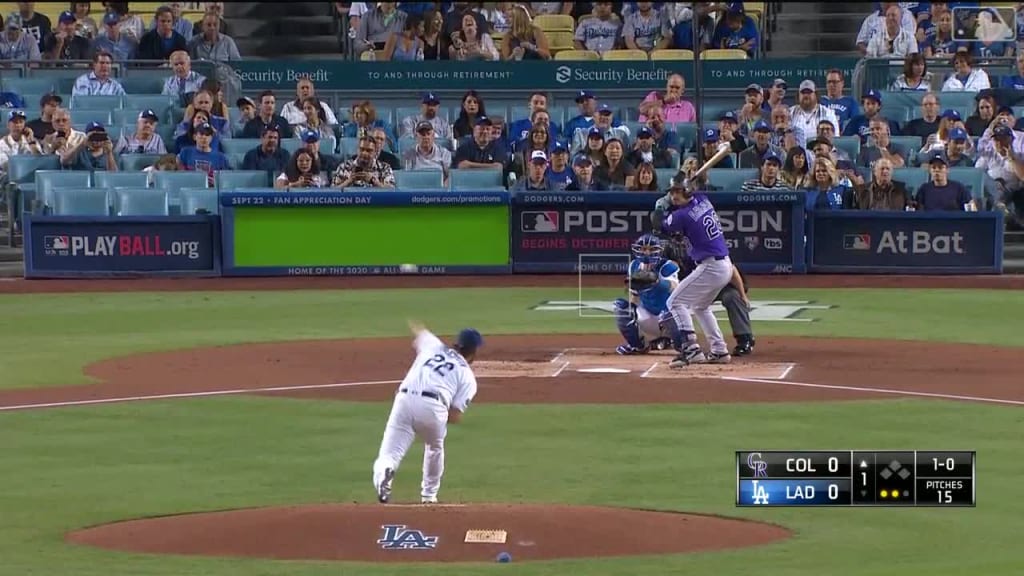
[1013,266]
[8,254]
[1014,239]
[820,28]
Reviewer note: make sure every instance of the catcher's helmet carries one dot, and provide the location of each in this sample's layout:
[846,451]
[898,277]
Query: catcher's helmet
[648,249]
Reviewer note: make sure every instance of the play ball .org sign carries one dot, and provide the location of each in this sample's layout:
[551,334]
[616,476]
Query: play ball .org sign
[761,310]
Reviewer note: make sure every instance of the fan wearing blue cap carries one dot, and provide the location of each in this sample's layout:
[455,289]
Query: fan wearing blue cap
[430,112]
[560,173]
[480,150]
[646,151]
[881,146]
[583,180]
[94,152]
[19,43]
[145,139]
[114,40]
[942,194]
[203,157]
[769,177]
[762,137]
[710,139]
[64,43]
[437,390]
[587,104]
[19,139]
[1015,81]
[859,125]
[604,123]
[956,152]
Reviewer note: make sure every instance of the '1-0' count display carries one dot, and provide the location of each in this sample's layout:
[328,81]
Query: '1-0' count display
[855,478]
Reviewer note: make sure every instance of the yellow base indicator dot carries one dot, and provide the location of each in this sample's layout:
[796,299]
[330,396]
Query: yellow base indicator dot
[895,494]
[884,494]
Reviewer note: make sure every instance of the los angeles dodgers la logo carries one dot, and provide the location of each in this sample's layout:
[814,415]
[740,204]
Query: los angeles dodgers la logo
[759,493]
[398,537]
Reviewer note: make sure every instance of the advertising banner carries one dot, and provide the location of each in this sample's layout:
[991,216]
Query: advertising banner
[905,242]
[69,246]
[564,232]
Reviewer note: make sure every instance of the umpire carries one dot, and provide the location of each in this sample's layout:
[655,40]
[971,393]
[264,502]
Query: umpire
[733,297]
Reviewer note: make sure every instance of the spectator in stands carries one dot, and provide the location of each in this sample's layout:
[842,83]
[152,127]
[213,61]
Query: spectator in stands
[301,170]
[776,95]
[433,43]
[1011,81]
[1004,116]
[377,25]
[795,171]
[268,156]
[602,122]
[956,150]
[453,21]
[808,113]
[16,43]
[559,174]
[199,117]
[521,126]
[64,136]
[98,82]
[785,135]
[844,107]
[405,45]
[213,44]
[163,40]
[384,153]
[203,157]
[144,140]
[664,137]
[267,117]
[984,114]
[540,117]
[204,101]
[217,9]
[680,21]
[728,130]
[498,130]
[63,44]
[327,162]
[860,125]
[364,119]
[768,177]
[915,76]
[497,15]
[642,29]
[34,24]
[480,151]
[710,140]
[43,126]
[19,140]
[646,179]
[314,112]
[180,25]
[674,107]
[85,24]
[165,163]
[538,138]
[120,46]
[753,109]
[891,39]
[184,82]
[132,24]
[928,123]
[737,31]
[246,111]
[292,111]
[583,169]
[427,154]
[875,24]
[536,174]
[429,108]
[524,39]
[949,120]
[586,103]
[967,78]
[883,193]
[825,192]
[1005,166]
[942,194]
[470,111]
[646,150]
[881,146]
[940,42]
[753,157]
[470,43]
[600,32]
[928,18]
[93,152]
[616,171]
[822,147]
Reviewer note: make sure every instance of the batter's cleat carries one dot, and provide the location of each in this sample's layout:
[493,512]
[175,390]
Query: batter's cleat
[744,346]
[432,500]
[719,358]
[627,350]
[690,355]
[384,490]
[661,344]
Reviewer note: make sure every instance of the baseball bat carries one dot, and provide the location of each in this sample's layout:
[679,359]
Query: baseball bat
[724,149]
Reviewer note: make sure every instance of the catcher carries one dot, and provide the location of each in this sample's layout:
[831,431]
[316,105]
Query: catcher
[644,320]
[734,296]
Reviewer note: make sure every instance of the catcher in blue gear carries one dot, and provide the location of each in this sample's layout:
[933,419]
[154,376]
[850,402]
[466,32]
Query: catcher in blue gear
[644,320]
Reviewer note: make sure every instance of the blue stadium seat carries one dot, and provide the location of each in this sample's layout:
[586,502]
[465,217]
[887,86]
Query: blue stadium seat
[665,176]
[293,144]
[228,180]
[33,85]
[848,144]
[172,181]
[239,145]
[22,168]
[419,179]
[348,146]
[731,179]
[972,178]
[687,135]
[710,111]
[516,112]
[912,177]
[327,146]
[80,202]
[235,159]
[136,162]
[909,143]
[158,103]
[104,179]
[48,181]
[140,202]
[149,82]
[475,179]
[195,199]
[97,102]
[84,117]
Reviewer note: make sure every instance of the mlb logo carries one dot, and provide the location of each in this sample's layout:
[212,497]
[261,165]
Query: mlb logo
[857,242]
[56,243]
[752,242]
[540,221]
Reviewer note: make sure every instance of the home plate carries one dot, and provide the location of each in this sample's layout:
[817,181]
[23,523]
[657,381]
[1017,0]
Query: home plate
[737,369]
[604,370]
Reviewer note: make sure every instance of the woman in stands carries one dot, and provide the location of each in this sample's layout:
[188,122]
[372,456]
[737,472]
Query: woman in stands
[524,40]
[984,114]
[85,26]
[967,78]
[364,119]
[915,77]
[405,46]
[941,43]
[825,192]
[302,171]
[189,138]
[646,179]
[794,169]
[936,142]
[433,44]
[472,108]
[470,43]
[132,24]
[538,138]
[497,15]
[616,171]
[314,114]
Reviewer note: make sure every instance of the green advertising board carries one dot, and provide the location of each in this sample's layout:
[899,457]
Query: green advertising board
[342,75]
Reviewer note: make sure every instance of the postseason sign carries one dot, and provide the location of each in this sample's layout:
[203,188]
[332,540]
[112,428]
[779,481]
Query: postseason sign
[855,478]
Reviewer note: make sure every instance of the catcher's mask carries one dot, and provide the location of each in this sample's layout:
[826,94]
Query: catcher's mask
[647,249]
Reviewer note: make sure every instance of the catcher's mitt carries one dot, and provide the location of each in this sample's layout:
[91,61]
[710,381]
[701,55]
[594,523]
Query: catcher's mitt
[641,280]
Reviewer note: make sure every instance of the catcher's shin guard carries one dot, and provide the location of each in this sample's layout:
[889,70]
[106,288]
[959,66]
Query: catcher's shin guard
[625,321]
[667,322]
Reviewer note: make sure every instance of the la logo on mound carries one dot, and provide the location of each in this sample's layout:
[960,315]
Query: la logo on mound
[563,74]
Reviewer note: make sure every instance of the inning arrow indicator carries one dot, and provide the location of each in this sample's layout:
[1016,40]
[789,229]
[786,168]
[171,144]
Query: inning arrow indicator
[863,464]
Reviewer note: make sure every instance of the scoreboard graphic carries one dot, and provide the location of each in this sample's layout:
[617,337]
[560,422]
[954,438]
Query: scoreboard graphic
[855,478]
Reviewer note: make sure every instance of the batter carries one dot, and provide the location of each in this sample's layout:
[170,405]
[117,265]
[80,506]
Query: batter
[437,390]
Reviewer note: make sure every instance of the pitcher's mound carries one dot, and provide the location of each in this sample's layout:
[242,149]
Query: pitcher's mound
[434,533]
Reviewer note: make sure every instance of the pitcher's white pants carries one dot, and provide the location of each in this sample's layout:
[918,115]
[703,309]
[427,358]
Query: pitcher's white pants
[695,294]
[412,416]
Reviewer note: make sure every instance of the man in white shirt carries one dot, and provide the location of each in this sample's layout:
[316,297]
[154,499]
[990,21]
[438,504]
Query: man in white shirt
[875,23]
[437,390]
[808,113]
[292,110]
[19,140]
[98,82]
[892,39]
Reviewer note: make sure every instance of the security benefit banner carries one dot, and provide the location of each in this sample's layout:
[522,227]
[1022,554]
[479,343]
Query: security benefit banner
[565,232]
[69,246]
[905,242]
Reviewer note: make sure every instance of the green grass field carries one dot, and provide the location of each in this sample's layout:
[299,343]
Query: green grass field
[69,468]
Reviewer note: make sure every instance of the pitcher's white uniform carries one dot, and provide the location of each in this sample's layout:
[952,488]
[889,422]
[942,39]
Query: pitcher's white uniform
[439,379]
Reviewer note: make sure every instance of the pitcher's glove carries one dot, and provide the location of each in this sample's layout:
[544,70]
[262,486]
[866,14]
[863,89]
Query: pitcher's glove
[641,280]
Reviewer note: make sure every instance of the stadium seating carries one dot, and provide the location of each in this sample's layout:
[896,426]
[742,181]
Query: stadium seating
[555,22]
[848,144]
[172,181]
[239,145]
[231,179]
[624,55]
[475,179]
[81,202]
[140,202]
[193,200]
[577,55]
[731,178]
[419,179]
[95,102]
[136,162]
[671,54]
[49,181]
[103,179]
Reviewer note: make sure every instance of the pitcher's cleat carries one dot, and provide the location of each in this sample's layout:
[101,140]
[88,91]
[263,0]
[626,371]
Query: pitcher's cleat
[384,490]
